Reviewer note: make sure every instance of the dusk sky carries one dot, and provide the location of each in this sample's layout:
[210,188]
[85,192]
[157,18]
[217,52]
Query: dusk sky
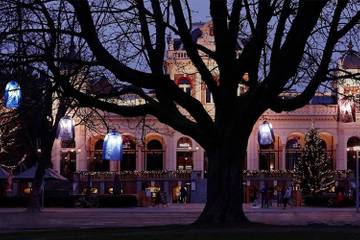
[200,10]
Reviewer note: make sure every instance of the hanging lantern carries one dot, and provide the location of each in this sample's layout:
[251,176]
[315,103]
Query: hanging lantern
[266,134]
[66,129]
[346,110]
[112,148]
[12,95]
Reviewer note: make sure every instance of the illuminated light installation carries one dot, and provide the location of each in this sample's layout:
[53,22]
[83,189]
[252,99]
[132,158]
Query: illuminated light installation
[66,129]
[12,96]
[112,147]
[346,110]
[266,134]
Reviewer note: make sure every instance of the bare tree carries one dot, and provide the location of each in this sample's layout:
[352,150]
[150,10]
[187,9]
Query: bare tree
[289,45]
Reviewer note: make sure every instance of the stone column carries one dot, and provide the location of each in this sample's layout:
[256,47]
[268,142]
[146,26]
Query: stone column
[80,144]
[341,145]
[198,158]
[170,152]
[56,155]
[283,139]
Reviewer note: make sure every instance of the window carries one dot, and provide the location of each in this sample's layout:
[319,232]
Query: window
[185,85]
[98,164]
[208,96]
[293,153]
[68,158]
[267,157]
[67,143]
[184,154]
[154,155]
[351,154]
[68,164]
[128,161]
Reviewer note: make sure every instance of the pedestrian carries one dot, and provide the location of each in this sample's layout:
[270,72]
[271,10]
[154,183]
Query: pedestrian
[264,197]
[287,196]
[183,194]
[270,196]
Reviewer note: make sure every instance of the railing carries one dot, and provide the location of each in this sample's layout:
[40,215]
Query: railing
[289,173]
[132,175]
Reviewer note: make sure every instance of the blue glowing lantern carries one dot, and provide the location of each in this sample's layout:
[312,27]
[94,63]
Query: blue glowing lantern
[112,148]
[12,95]
[66,129]
[266,134]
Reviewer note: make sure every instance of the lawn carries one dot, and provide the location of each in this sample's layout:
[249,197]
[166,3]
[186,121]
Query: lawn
[195,233]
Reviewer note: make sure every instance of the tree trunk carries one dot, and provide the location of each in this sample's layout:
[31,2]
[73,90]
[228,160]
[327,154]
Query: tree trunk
[38,184]
[225,179]
[35,204]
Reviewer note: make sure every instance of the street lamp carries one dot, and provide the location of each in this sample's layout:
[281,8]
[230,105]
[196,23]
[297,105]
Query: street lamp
[356,149]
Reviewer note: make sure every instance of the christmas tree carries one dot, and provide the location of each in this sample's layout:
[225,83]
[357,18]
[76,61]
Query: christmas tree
[313,170]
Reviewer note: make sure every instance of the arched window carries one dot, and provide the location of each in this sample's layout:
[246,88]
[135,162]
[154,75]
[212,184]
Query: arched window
[351,153]
[267,157]
[154,155]
[98,164]
[185,85]
[68,158]
[293,152]
[128,161]
[184,154]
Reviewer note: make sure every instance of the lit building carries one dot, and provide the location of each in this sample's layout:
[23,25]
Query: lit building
[164,158]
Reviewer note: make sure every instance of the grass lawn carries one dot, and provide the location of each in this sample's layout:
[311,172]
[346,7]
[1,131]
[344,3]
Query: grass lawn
[194,233]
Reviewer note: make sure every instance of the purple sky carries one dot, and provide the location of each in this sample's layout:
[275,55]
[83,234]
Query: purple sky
[200,10]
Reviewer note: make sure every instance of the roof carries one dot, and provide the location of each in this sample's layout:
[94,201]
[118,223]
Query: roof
[351,59]
[323,100]
[30,174]
[197,33]
[3,174]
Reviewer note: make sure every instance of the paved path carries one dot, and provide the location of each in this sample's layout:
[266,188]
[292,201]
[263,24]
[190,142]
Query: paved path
[77,218]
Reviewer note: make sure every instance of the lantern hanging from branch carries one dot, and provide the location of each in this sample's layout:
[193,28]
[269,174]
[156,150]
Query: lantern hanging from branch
[66,129]
[346,110]
[266,134]
[12,96]
[112,148]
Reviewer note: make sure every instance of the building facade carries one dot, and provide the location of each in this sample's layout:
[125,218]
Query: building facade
[158,153]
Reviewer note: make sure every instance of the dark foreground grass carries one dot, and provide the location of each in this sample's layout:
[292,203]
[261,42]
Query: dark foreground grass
[195,233]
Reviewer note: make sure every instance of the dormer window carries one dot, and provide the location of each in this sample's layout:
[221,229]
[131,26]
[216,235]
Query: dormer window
[185,85]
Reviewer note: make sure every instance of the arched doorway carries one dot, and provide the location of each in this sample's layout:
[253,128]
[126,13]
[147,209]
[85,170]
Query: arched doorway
[351,153]
[128,161]
[269,155]
[154,155]
[184,154]
[293,152]
[68,158]
[98,164]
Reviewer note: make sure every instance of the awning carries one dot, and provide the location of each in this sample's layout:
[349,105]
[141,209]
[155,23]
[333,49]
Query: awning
[3,174]
[50,174]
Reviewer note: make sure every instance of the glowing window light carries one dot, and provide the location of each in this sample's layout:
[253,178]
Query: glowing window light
[112,147]
[66,129]
[266,134]
[12,96]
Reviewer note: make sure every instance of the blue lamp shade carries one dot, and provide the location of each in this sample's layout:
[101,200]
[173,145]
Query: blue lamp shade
[266,134]
[347,112]
[12,95]
[112,148]
[66,129]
